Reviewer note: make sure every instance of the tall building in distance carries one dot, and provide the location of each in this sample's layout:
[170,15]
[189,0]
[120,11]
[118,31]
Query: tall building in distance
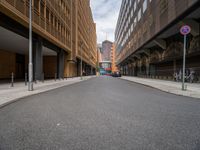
[106,49]
[148,39]
[64,33]
[105,63]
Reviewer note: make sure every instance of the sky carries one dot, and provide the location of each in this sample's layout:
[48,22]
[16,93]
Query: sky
[105,14]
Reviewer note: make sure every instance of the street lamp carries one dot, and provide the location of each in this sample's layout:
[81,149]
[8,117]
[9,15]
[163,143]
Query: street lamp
[30,66]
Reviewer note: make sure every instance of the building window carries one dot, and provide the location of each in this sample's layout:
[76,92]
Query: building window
[144,5]
[135,21]
[163,6]
[139,14]
[131,13]
[134,5]
[36,5]
[132,28]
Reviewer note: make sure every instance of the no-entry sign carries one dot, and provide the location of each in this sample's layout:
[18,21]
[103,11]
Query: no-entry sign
[185,30]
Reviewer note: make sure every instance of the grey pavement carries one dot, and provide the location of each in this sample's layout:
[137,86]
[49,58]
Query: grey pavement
[102,113]
[9,94]
[193,89]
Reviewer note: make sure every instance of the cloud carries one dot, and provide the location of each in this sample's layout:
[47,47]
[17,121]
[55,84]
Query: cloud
[105,14]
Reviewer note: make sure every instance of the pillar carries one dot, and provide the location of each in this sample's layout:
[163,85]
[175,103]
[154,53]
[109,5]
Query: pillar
[37,59]
[132,69]
[123,69]
[60,64]
[78,67]
[174,65]
[147,70]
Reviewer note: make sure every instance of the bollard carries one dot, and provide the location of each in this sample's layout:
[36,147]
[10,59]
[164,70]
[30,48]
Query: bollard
[35,81]
[55,76]
[186,87]
[12,79]
[26,79]
[42,77]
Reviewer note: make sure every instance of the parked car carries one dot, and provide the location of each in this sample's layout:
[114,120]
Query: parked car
[108,74]
[116,74]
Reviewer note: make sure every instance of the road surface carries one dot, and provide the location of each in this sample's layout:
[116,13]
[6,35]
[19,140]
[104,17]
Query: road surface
[102,113]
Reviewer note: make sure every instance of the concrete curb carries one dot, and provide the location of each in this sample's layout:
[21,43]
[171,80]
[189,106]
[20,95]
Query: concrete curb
[12,100]
[173,91]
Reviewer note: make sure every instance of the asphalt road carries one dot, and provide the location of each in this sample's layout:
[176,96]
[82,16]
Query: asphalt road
[101,114]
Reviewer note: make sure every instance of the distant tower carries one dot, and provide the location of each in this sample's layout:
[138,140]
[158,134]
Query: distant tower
[106,49]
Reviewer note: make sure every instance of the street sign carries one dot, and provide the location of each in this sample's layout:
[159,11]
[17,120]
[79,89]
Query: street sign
[185,30]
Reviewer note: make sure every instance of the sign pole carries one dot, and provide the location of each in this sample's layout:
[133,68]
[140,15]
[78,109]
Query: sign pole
[184,52]
[185,30]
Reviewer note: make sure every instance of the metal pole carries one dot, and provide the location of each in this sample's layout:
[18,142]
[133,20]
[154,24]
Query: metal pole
[30,66]
[81,63]
[184,51]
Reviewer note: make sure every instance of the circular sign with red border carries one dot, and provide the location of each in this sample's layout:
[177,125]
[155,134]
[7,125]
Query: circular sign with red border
[185,30]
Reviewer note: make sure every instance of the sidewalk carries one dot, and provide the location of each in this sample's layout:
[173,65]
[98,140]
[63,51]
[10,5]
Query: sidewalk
[10,94]
[193,90]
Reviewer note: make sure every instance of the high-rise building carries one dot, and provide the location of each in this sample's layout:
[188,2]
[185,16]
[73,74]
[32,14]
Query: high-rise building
[64,33]
[106,49]
[105,52]
[148,39]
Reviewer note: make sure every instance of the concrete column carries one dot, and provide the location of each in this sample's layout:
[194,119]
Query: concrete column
[94,71]
[139,68]
[37,60]
[174,65]
[84,70]
[129,70]
[127,66]
[91,70]
[78,68]
[152,70]
[147,70]
[60,64]
[132,66]
[126,69]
